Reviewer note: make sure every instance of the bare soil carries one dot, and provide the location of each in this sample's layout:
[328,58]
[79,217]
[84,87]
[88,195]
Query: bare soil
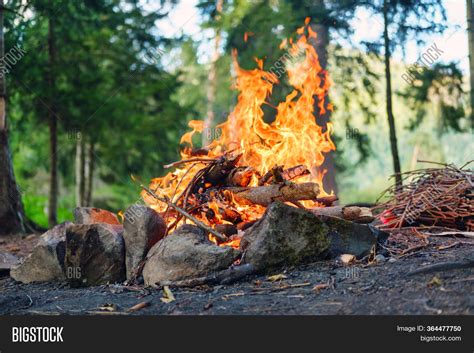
[320,288]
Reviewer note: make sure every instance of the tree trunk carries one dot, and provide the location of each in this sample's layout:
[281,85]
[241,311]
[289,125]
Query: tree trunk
[80,172]
[53,131]
[208,134]
[321,44]
[470,36]
[11,207]
[391,119]
[89,173]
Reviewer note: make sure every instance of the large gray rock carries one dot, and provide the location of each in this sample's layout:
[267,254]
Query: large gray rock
[46,261]
[95,254]
[93,215]
[287,235]
[143,228]
[186,253]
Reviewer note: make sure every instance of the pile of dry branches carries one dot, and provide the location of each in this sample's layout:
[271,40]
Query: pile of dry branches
[433,197]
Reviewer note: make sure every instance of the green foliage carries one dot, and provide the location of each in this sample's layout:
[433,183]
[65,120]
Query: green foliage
[131,91]
[111,90]
[35,208]
[441,85]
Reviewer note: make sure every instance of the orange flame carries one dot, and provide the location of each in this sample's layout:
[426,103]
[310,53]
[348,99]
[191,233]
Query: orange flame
[293,138]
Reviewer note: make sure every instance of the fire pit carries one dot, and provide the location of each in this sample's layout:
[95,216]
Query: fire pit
[254,195]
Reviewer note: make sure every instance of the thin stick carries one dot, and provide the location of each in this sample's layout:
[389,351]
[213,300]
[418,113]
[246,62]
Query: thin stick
[218,235]
[174,193]
[174,164]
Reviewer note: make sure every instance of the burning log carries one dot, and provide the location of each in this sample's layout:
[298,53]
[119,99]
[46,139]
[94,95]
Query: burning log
[278,175]
[265,195]
[219,172]
[245,225]
[240,176]
[295,172]
[351,213]
[226,229]
[327,200]
[231,215]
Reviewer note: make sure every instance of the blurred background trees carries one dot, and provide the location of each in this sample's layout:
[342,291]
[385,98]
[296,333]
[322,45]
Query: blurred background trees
[102,93]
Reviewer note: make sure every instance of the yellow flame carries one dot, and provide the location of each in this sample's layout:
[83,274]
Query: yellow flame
[293,138]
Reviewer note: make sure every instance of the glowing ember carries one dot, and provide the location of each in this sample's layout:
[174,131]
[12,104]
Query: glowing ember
[294,138]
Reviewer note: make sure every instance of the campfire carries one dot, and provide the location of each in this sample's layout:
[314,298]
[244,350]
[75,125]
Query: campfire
[228,184]
[254,196]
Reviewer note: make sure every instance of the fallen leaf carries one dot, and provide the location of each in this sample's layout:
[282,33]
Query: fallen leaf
[108,307]
[138,306]
[347,258]
[317,288]
[275,278]
[435,281]
[168,296]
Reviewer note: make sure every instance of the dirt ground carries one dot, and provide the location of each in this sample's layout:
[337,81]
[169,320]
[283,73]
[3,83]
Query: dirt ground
[321,288]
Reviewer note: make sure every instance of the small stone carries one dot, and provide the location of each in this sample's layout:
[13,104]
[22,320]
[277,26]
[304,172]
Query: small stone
[392,260]
[186,253]
[7,261]
[93,215]
[143,228]
[46,261]
[347,258]
[379,258]
[95,254]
